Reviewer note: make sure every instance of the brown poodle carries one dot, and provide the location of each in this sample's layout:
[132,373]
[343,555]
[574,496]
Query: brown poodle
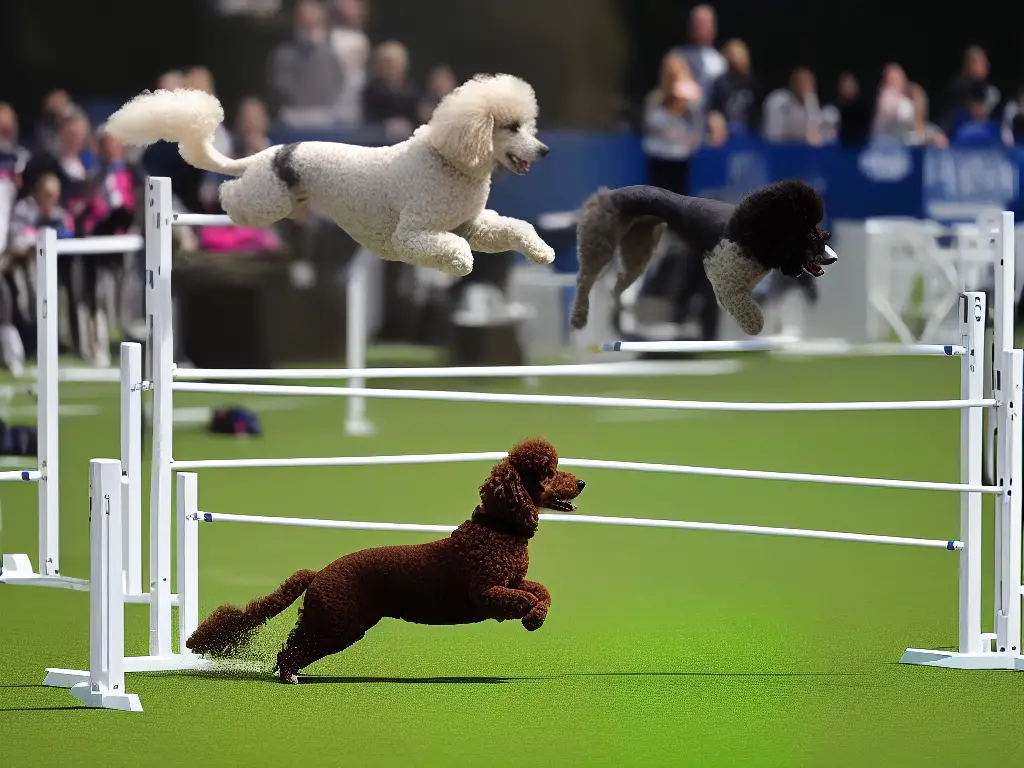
[477,573]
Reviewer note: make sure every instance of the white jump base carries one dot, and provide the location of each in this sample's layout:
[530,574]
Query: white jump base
[998,649]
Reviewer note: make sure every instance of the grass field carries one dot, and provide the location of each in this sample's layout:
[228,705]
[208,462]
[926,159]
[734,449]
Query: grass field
[662,647]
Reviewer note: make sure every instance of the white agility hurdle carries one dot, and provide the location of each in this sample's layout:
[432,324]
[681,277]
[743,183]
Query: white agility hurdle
[999,649]
[17,568]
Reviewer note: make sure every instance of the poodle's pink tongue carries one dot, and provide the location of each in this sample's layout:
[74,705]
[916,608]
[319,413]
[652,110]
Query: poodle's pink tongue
[523,167]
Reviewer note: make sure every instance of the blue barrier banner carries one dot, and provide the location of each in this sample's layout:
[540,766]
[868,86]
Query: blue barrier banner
[947,185]
[962,184]
[882,179]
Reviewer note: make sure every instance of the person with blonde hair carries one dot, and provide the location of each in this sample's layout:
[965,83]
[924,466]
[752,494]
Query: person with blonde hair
[924,132]
[673,125]
[673,131]
[894,109]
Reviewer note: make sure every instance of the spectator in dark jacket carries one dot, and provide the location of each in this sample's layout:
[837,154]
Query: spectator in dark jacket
[978,129]
[853,112]
[389,99]
[71,162]
[55,104]
[736,95]
[973,79]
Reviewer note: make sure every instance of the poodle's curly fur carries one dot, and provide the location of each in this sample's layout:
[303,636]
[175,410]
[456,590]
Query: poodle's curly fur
[420,201]
[773,227]
[477,573]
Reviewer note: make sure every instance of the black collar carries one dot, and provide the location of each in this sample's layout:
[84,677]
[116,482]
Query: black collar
[498,525]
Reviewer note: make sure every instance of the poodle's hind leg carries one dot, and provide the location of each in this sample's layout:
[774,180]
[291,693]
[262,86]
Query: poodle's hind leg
[258,199]
[302,650]
[636,249]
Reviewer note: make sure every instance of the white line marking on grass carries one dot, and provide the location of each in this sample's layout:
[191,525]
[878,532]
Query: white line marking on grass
[29,411]
[627,416]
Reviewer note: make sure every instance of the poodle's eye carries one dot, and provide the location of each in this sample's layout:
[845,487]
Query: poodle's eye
[514,127]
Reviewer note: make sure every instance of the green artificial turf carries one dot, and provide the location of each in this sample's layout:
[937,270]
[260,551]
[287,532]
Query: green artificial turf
[662,647]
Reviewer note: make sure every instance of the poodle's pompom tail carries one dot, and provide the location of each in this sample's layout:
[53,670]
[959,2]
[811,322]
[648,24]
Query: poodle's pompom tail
[179,116]
[185,116]
[229,628]
[598,232]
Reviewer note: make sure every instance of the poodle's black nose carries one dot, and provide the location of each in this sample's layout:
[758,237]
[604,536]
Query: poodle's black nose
[580,484]
[543,151]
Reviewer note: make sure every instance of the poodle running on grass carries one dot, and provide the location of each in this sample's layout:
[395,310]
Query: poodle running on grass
[773,227]
[477,573]
[420,202]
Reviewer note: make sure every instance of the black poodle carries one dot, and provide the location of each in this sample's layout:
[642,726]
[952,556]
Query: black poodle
[773,227]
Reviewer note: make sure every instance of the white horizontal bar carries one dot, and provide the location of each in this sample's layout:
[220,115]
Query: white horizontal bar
[100,244]
[801,533]
[202,219]
[836,347]
[607,402]
[340,461]
[677,469]
[639,368]
[952,545]
[298,522]
[15,475]
[771,345]
[798,477]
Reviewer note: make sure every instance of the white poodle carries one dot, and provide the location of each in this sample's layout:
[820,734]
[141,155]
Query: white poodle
[420,201]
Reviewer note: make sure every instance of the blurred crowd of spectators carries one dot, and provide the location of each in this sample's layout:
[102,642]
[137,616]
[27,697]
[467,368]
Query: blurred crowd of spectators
[708,96]
[329,75]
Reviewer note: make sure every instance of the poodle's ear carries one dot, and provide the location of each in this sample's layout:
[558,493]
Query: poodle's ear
[535,459]
[503,492]
[462,128]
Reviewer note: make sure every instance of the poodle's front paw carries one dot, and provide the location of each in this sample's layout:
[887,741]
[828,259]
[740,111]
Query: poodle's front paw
[524,608]
[541,254]
[534,620]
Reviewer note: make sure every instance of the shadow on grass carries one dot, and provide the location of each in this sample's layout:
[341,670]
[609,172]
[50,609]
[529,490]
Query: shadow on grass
[269,677]
[312,679]
[43,709]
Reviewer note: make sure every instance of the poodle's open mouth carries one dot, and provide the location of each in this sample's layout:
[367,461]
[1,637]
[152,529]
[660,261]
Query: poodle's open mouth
[519,167]
[815,269]
[560,505]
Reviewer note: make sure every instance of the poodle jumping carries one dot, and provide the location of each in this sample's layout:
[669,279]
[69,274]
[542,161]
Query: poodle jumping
[773,227]
[477,573]
[420,202]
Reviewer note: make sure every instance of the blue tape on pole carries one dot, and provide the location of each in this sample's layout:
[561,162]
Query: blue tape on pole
[948,349]
[951,546]
[25,475]
[207,517]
